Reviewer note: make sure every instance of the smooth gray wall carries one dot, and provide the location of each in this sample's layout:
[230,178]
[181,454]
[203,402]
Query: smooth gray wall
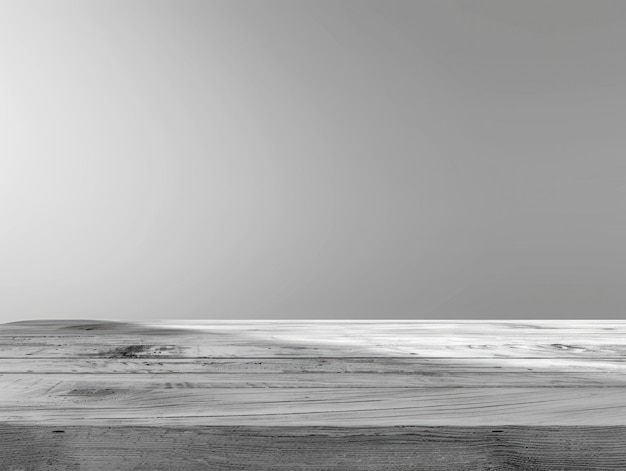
[312,159]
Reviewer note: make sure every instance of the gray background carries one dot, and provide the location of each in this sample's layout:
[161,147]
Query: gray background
[312,159]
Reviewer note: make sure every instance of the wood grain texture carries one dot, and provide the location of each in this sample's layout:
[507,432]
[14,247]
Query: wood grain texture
[313,395]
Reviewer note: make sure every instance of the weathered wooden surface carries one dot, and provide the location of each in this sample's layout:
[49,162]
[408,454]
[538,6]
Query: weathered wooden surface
[313,395]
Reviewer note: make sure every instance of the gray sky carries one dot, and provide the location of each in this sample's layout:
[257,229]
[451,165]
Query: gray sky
[312,159]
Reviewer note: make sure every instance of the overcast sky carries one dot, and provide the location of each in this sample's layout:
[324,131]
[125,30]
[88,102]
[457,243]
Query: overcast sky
[312,159]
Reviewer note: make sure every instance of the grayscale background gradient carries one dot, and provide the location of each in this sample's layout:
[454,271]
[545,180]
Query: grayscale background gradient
[312,159]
